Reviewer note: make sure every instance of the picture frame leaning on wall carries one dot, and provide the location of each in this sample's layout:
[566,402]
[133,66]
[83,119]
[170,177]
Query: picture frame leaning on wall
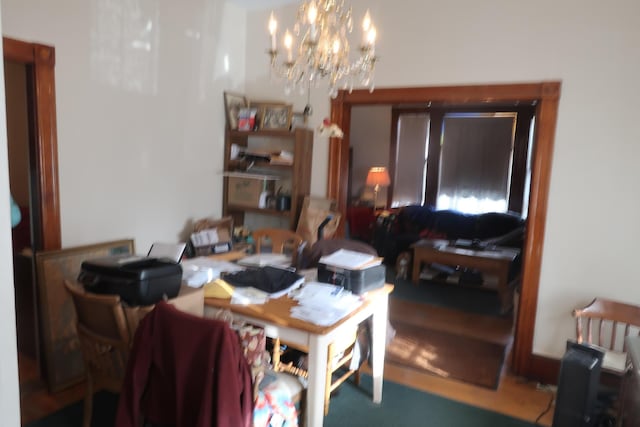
[62,356]
[275,116]
[233,102]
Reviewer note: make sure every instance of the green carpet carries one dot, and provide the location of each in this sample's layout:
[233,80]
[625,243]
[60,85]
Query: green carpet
[352,407]
[404,407]
[466,299]
[104,413]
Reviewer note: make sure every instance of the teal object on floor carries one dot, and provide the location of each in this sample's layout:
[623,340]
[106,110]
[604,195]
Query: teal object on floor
[406,407]
[16,216]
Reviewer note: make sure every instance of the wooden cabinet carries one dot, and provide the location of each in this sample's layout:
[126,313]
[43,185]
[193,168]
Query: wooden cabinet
[282,158]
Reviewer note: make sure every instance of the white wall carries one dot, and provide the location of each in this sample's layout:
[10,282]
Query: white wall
[592,221]
[139,110]
[9,389]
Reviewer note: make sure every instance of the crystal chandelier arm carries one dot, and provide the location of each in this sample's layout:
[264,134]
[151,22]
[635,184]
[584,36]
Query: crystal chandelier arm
[321,31]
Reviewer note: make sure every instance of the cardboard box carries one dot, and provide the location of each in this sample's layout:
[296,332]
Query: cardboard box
[189,300]
[250,191]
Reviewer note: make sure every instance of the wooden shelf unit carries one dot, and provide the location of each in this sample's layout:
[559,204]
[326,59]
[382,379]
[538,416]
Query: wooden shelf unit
[296,176]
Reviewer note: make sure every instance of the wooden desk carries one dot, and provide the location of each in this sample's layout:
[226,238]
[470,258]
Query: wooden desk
[495,262]
[274,316]
[232,255]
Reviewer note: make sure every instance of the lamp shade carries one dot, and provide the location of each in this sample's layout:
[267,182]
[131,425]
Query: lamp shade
[378,176]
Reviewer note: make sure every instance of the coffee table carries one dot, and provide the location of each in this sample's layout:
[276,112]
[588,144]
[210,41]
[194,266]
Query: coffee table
[494,260]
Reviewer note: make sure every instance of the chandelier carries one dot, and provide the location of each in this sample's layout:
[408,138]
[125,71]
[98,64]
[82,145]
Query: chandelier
[318,48]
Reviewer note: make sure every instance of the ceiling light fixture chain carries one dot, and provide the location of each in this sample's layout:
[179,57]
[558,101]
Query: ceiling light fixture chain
[319,48]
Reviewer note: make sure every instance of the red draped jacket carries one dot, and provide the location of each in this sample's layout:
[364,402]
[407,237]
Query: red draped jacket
[187,371]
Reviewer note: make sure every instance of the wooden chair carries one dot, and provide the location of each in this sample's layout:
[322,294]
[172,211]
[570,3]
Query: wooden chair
[104,339]
[286,241]
[281,241]
[606,324]
[339,356]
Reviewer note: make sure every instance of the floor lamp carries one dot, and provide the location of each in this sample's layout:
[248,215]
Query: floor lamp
[376,178]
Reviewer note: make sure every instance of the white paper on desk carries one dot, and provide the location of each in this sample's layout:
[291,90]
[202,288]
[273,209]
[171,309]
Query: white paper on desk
[248,295]
[351,260]
[324,304]
[261,260]
[324,316]
[200,270]
[317,293]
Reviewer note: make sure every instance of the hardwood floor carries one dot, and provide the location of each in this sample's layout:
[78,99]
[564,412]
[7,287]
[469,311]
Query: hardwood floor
[35,401]
[515,396]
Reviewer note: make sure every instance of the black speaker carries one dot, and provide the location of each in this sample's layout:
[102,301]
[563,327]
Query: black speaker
[576,400]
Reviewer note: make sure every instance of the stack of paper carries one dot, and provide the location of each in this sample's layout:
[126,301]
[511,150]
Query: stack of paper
[262,259]
[198,271]
[350,260]
[323,304]
[248,295]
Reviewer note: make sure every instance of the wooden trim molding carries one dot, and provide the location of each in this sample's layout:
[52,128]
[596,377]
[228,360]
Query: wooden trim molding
[544,369]
[40,61]
[545,95]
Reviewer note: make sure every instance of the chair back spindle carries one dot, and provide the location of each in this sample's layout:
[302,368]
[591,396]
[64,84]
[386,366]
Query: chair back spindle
[607,323]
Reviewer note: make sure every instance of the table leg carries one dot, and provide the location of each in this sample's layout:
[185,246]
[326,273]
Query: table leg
[417,261]
[503,290]
[379,340]
[317,368]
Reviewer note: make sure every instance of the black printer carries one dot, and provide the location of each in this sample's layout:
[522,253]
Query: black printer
[357,281]
[138,280]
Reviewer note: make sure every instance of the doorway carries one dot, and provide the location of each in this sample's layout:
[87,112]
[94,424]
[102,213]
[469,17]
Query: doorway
[29,72]
[545,96]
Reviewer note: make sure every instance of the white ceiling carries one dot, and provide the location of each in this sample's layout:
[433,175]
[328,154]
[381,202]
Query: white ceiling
[263,4]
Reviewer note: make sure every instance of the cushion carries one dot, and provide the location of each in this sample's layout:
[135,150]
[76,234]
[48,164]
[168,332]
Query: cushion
[496,224]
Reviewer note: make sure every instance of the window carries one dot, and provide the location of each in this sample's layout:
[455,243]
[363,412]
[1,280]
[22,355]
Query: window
[475,162]
[471,160]
[411,159]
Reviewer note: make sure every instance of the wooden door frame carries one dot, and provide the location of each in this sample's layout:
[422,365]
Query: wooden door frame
[43,144]
[546,96]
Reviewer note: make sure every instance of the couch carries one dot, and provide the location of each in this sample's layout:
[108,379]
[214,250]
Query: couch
[396,231]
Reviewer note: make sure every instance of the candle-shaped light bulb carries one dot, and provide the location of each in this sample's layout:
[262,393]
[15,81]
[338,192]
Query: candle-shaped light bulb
[366,22]
[336,46]
[312,14]
[371,36]
[366,25]
[288,44]
[273,26]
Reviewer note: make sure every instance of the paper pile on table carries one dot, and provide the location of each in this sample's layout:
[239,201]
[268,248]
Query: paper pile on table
[200,270]
[323,304]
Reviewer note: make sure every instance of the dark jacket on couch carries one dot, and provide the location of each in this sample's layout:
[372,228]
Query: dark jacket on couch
[395,233]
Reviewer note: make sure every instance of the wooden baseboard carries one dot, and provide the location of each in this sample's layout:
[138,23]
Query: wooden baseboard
[544,369]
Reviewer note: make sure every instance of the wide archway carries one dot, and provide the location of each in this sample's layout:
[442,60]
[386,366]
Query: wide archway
[545,96]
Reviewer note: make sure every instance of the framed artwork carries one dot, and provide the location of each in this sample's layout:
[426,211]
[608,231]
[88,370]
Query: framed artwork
[62,356]
[276,116]
[233,103]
